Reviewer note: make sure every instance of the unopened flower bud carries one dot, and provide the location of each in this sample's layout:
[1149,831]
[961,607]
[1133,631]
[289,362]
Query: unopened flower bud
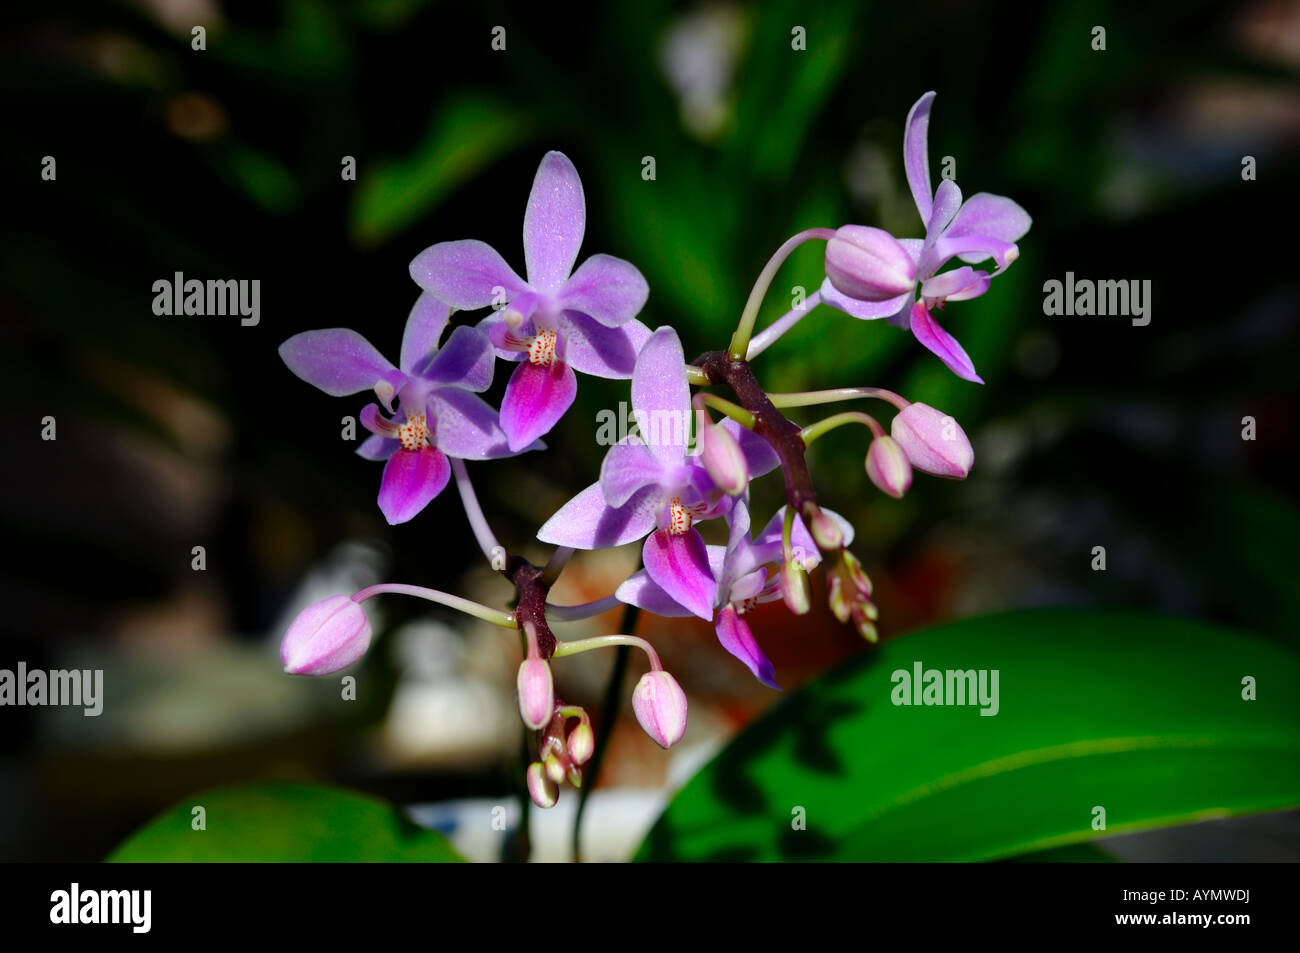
[555,768]
[660,706]
[857,576]
[869,264]
[888,467]
[838,598]
[326,637]
[536,692]
[826,533]
[541,789]
[582,743]
[933,441]
[723,460]
[795,589]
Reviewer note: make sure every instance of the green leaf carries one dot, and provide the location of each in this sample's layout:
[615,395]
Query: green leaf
[1140,715]
[465,135]
[280,822]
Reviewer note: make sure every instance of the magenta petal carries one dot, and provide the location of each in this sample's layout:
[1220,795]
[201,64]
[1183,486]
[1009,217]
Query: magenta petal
[465,274]
[338,360]
[642,591]
[411,479]
[535,400]
[588,522]
[554,222]
[607,289]
[736,638]
[377,447]
[424,327]
[943,344]
[916,157]
[679,563]
[661,398]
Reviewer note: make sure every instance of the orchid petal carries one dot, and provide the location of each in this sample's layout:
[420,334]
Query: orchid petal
[411,479]
[759,455]
[466,274]
[588,522]
[950,283]
[424,327]
[679,563]
[378,447]
[736,638]
[466,360]
[338,360]
[601,351]
[974,248]
[947,201]
[943,344]
[464,426]
[535,400]
[554,223]
[994,215]
[661,398]
[916,156]
[627,468]
[864,310]
[607,289]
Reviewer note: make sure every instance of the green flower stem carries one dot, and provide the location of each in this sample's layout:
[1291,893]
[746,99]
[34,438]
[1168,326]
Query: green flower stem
[737,413]
[504,619]
[740,340]
[810,397]
[605,641]
[813,431]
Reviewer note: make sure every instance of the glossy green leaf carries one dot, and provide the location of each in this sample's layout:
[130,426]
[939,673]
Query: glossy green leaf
[1140,715]
[278,822]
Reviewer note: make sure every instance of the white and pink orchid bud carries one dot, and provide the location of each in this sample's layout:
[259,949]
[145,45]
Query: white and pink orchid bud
[536,692]
[933,441]
[826,532]
[582,743]
[660,706]
[541,788]
[795,589]
[869,264]
[326,637]
[723,459]
[888,467]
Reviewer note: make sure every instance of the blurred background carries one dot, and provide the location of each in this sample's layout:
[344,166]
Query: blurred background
[225,162]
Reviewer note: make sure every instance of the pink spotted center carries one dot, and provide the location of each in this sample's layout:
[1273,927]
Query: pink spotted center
[414,433]
[679,518]
[541,349]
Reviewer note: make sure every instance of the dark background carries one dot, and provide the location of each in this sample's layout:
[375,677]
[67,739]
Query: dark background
[225,163]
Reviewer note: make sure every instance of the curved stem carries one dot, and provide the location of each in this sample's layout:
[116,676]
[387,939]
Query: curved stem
[770,334]
[555,565]
[813,431]
[605,641]
[740,340]
[737,413]
[492,549]
[808,398]
[609,709]
[696,377]
[504,619]
[584,611]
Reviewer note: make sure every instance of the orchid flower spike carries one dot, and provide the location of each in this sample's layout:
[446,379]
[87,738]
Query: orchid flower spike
[439,415]
[867,276]
[743,582]
[650,485]
[559,320]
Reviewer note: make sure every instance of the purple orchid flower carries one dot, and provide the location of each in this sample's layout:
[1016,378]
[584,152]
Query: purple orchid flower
[561,320]
[438,415]
[743,581]
[983,226]
[651,485]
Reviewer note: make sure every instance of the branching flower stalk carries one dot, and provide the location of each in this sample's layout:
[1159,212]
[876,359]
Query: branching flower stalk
[680,468]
